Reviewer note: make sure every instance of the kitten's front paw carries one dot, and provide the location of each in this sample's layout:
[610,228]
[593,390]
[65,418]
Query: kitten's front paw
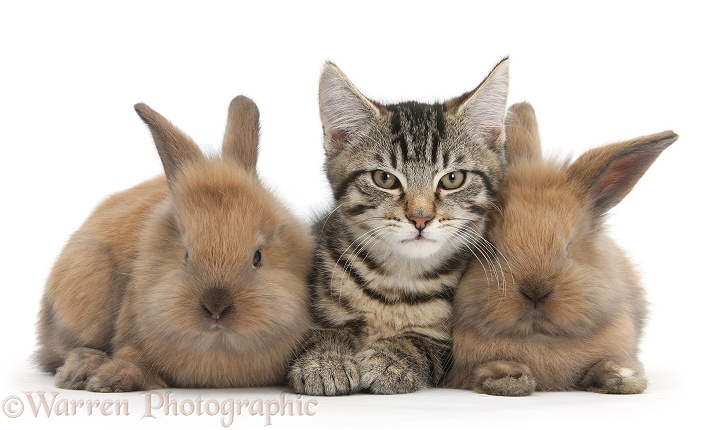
[79,366]
[384,369]
[504,378]
[120,375]
[324,373]
[609,377]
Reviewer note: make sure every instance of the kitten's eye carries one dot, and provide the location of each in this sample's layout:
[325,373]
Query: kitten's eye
[257,259]
[185,258]
[385,180]
[453,180]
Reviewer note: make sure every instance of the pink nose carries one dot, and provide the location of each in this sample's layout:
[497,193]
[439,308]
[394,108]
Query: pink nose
[420,222]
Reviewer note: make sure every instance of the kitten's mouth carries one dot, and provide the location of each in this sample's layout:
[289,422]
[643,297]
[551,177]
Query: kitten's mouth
[418,239]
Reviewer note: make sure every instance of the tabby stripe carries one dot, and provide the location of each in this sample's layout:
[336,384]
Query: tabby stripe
[477,209]
[435,141]
[393,158]
[445,154]
[341,189]
[440,123]
[397,131]
[441,343]
[449,266]
[316,279]
[486,181]
[372,265]
[446,293]
[403,146]
[355,326]
[358,209]
[351,272]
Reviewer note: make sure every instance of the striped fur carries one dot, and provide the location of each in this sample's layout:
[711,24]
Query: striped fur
[388,259]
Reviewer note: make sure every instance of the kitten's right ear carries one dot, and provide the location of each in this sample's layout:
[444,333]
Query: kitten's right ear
[344,111]
[174,147]
[483,110]
[522,136]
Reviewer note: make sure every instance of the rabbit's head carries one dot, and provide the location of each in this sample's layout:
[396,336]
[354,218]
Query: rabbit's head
[223,264]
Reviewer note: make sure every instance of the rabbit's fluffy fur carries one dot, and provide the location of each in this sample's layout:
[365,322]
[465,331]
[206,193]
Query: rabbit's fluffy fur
[556,305]
[195,279]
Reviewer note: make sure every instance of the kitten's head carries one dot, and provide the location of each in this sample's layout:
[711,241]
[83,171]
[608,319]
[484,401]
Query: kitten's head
[418,178]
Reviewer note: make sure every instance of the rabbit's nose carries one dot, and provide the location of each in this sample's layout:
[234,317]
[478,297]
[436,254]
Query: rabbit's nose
[216,303]
[535,292]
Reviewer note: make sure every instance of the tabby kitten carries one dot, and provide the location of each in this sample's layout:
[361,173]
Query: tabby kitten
[413,184]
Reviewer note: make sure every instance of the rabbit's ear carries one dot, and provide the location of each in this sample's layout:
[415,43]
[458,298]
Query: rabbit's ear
[610,172]
[522,136]
[174,147]
[240,142]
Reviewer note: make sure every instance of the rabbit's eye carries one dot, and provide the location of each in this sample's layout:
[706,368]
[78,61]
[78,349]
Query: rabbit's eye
[257,258]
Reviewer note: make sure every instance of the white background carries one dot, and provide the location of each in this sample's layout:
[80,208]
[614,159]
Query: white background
[70,73]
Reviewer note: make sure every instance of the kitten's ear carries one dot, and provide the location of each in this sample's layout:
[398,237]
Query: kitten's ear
[344,111]
[522,136]
[484,109]
[174,147]
[609,173]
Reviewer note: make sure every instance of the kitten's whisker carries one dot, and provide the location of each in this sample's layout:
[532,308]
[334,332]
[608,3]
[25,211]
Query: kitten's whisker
[327,218]
[490,258]
[495,206]
[495,252]
[476,240]
[349,265]
[373,238]
[465,242]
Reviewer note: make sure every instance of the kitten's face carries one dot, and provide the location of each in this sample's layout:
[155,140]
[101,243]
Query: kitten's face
[413,179]
[416,184]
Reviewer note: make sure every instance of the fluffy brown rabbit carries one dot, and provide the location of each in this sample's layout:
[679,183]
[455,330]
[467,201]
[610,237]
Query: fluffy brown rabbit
[557,306]
[195,279]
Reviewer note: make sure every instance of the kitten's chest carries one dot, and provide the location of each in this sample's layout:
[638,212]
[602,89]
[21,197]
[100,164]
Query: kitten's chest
[397,303]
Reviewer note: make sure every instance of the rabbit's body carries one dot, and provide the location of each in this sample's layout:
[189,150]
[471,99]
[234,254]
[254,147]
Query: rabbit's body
[194,281]
[559,305]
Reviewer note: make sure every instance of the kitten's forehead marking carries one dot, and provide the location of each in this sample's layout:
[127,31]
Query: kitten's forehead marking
[417,131]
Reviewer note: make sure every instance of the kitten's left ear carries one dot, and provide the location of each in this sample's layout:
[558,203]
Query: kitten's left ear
[483,110]
[344,111]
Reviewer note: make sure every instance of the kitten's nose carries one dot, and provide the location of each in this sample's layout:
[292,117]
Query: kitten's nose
[420,222]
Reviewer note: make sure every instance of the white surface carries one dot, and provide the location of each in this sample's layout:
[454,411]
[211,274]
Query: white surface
[70,73]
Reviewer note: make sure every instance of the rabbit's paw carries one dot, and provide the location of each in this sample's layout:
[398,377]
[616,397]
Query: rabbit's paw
[79,366]
[121,375]
[608,377]
[504,378]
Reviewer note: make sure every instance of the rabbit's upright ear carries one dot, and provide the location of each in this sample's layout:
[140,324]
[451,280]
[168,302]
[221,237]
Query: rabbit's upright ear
[610,172]
[240,142]
[522,136]
[174,147]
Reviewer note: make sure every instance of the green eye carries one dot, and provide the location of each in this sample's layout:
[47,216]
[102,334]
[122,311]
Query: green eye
[385,180]
[453,180]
